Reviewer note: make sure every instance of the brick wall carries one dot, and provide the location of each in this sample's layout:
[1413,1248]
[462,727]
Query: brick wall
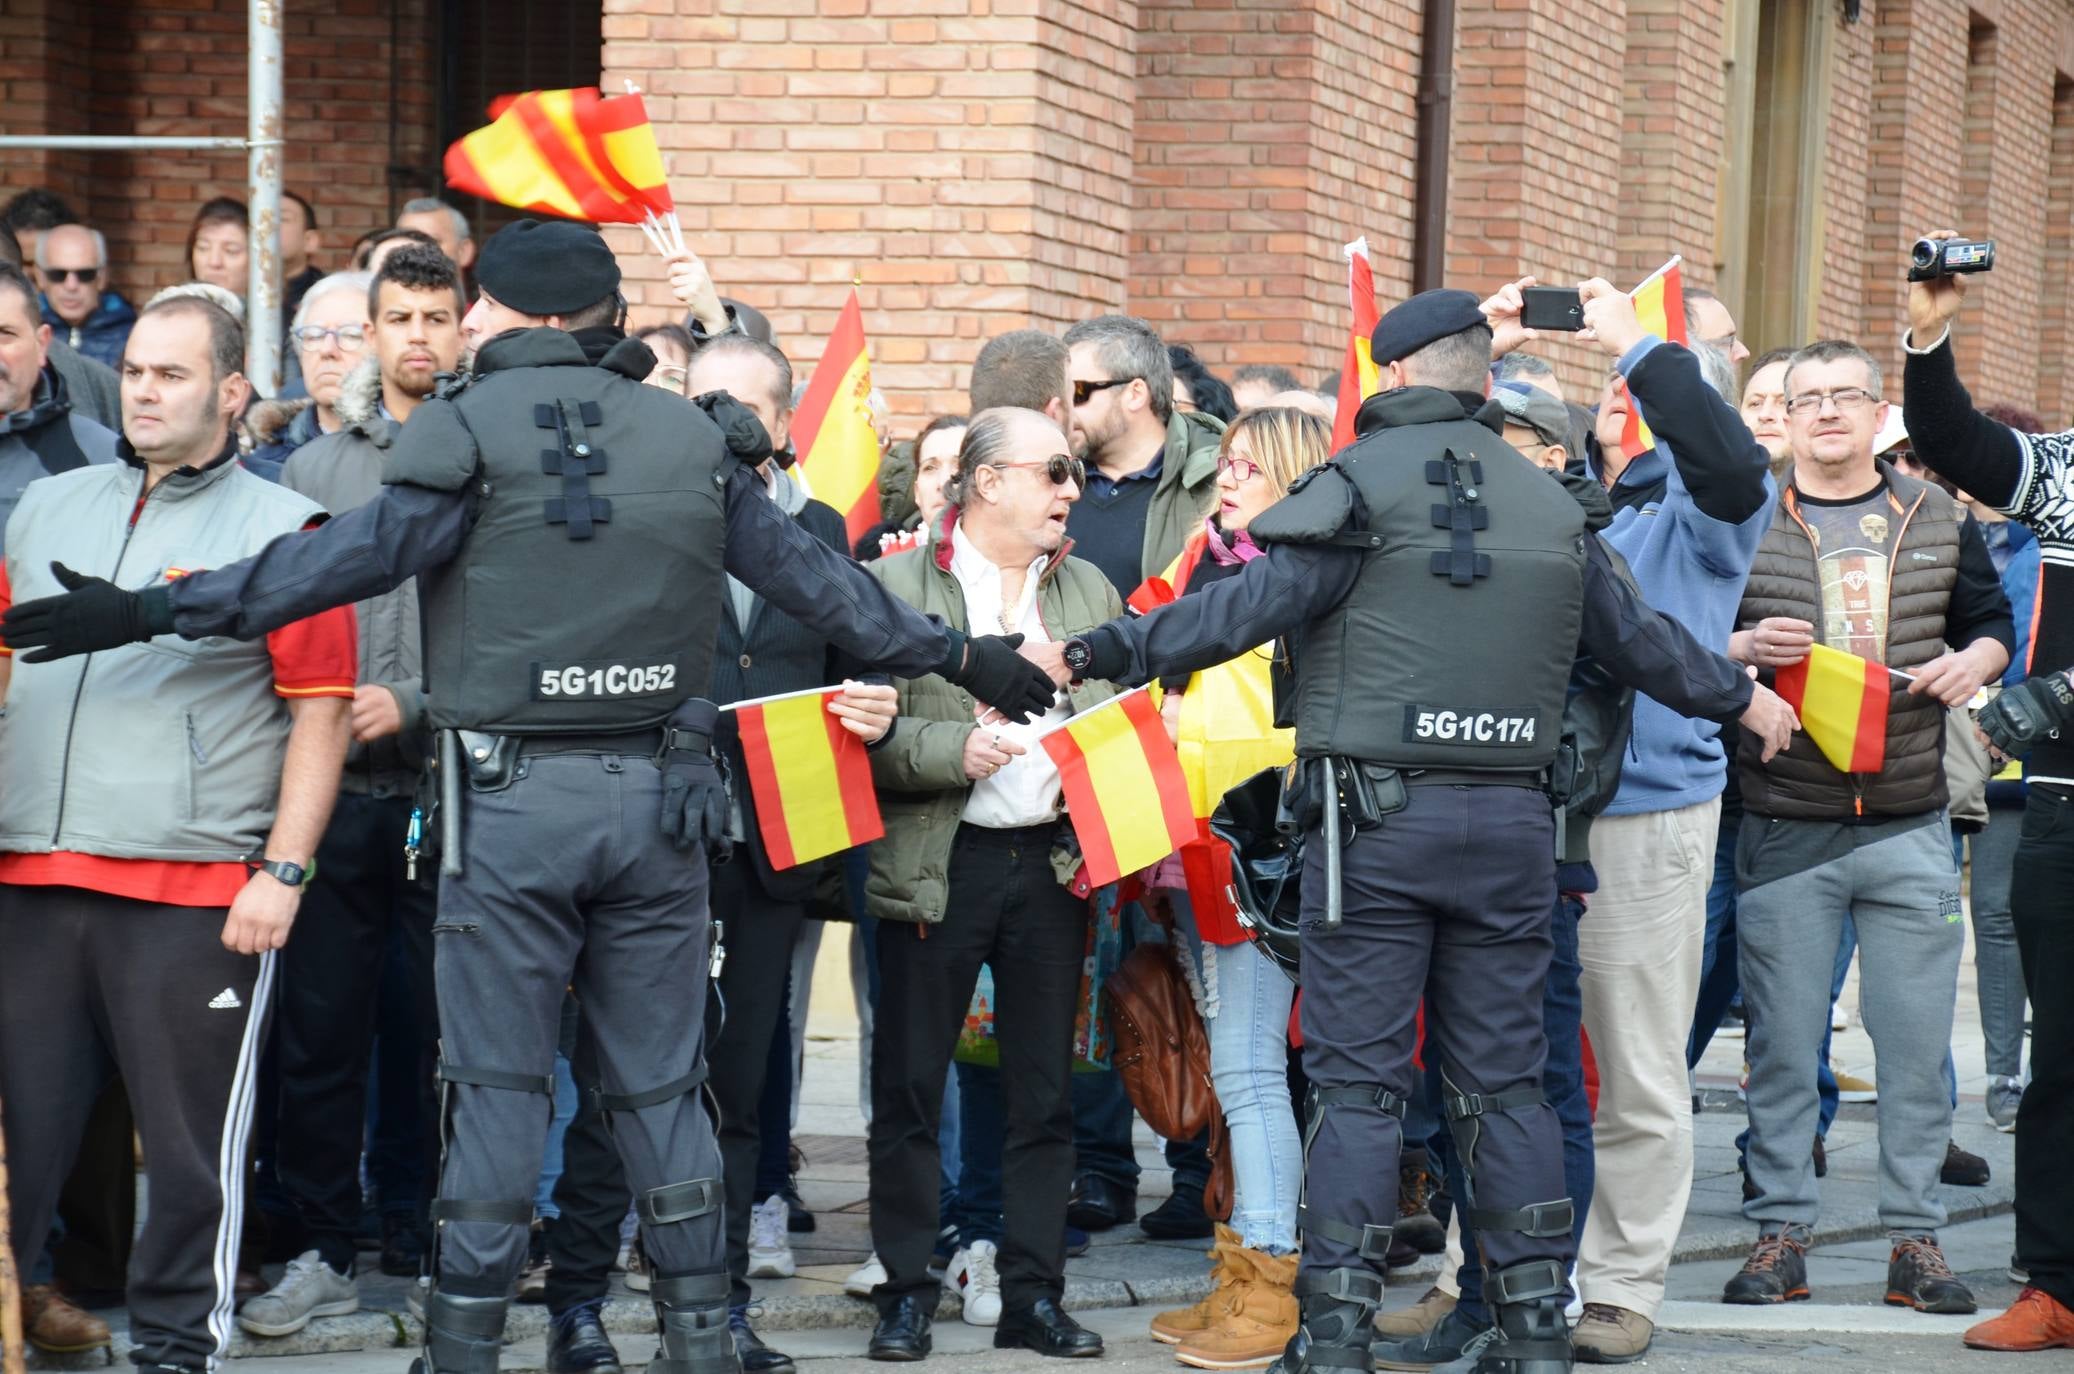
[1670,140]
[178,67]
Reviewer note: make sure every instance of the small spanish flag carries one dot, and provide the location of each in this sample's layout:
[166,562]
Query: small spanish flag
[810,777]
[1358,375]
[831,431]
[1842,701]
[1124,788]
[1660,309]
[570,153]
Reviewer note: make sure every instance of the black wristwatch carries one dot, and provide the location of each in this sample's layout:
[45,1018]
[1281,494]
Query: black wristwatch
[289,874]
[1079,657]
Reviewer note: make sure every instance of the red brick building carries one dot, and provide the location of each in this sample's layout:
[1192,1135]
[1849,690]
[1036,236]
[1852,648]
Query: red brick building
[980,165]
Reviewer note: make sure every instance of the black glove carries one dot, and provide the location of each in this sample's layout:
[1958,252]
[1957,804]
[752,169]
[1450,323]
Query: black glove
[746,437]
[695,805]
[2033,710]
[93,614]
[991,670]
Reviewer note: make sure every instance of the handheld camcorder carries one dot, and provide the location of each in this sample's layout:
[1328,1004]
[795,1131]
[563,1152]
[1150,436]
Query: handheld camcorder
[1932,258]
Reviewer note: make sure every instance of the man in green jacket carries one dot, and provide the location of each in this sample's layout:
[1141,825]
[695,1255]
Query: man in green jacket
[966,875]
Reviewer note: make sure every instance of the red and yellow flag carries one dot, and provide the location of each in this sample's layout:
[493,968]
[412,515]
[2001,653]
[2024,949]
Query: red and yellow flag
[1124,788]
[570,153]
[831,431]
[1842,701]
[1660,309]
[810,777]
[1358,375]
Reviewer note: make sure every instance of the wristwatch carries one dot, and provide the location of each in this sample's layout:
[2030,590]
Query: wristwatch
[1078,656]
[289,874]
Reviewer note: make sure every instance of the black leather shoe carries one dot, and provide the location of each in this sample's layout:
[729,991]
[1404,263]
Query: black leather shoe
[577,1344]
[1180,1217]
[903,1331]
[750,1352]
[1097,1203]
[1044,1327]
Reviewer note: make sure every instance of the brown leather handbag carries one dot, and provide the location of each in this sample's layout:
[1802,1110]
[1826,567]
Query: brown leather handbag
[1162,1052]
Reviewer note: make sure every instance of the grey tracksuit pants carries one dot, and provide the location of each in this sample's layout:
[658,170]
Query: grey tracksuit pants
[1796,880]
[568,881]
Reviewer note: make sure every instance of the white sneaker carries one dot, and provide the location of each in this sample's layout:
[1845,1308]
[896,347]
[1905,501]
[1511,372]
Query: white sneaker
[865,1277]
[770,1250]
[1839,1019]
[310,1288]
[972,1279]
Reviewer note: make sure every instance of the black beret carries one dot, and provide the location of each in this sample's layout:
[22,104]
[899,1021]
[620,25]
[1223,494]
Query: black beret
[547,267]
[1426,318]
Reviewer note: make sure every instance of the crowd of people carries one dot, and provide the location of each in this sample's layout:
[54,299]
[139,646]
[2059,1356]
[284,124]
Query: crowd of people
[222,887]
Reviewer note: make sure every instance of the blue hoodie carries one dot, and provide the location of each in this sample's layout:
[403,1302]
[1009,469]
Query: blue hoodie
[101,335]
[1688,516]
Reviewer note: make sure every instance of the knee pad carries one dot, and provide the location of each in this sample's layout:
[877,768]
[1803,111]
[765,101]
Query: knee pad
[1369,1240]
[693,1311]
[1464,1112]
[462,1335]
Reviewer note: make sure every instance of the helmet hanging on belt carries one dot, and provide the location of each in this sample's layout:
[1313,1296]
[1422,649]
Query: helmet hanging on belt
[1266,864]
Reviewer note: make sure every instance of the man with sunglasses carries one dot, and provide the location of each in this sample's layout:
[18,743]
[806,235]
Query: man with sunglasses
[72,261]
[1864,559]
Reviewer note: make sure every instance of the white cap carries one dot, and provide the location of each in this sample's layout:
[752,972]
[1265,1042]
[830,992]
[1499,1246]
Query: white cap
[1895,431]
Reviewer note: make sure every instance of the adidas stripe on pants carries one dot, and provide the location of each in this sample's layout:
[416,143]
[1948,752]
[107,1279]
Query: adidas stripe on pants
[92,985]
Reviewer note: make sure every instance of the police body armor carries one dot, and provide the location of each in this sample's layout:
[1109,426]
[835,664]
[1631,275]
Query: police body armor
[587,595]
[1454,647]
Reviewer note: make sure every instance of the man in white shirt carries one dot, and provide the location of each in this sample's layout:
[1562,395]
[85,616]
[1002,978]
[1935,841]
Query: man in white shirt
[966,876]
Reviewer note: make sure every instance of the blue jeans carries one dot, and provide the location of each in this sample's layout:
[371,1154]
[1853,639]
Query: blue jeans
[1562,1083]
[1245,999]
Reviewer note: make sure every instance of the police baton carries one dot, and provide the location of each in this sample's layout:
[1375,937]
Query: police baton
[449,765]
[1330,821]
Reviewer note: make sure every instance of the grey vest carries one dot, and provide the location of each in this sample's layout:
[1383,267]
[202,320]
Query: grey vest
[170,749]
[587,595]
[1453,649]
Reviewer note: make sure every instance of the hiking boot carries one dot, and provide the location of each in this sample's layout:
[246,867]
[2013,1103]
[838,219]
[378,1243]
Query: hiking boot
[2003,1096]
[1447,1340]
[1606,1334]
[1257,1324]
[1415,1220]
[1777,1270]
[1420,1317]
[2035,1321]
[1918,1277]
[55,1326]
[770,1248]
[1228,1271]
[310,1288]
[1962,1170]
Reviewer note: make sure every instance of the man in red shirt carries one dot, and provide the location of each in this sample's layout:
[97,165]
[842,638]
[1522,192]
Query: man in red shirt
[161,806]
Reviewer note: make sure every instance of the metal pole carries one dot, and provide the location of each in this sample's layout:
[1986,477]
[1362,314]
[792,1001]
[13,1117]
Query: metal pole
[263,142]
[117,143]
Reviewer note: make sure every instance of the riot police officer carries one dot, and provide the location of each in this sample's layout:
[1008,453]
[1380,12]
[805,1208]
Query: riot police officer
[569,528]
[1436,587]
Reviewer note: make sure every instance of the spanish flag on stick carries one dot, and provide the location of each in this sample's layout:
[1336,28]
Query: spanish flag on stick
[810,777]
[831,431]
[1358,375]
[1842,701]
[1660,309]
[1124,788]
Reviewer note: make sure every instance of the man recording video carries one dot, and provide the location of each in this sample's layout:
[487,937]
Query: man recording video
[2029,478]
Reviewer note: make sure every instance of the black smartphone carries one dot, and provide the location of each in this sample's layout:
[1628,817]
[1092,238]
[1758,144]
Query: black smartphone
[1559,309]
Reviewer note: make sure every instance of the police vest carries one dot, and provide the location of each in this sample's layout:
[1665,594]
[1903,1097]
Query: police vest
[1454,646]
[587,594]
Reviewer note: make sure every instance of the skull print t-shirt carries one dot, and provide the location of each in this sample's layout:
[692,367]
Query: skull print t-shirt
[1854,542]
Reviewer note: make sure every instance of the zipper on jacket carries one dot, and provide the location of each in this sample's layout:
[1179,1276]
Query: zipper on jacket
[79,691]
[194,743]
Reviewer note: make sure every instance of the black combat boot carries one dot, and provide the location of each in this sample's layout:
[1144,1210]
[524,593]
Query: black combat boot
[462,1335]
[1338,1308]
[1533,1336]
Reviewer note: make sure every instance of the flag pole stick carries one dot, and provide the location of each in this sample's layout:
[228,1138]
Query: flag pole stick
[11,1352]
[1116,700]
[654,236]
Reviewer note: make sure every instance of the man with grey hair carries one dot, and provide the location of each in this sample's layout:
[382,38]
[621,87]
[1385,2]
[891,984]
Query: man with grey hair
[329,336]
[72,265]
[444,225]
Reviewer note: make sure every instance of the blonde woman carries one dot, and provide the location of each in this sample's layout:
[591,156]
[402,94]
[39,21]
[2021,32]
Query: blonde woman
[1221,720]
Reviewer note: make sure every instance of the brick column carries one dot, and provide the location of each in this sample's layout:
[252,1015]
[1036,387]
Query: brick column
[1671,138]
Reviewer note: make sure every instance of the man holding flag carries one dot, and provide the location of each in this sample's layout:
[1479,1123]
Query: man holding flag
[570,528]
[1863,572]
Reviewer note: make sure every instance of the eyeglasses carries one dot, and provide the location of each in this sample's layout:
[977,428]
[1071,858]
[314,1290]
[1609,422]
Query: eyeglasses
[1241,469]
[1084,389]
[351,337]
[1060,468]
[1846,398]
[83,275]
